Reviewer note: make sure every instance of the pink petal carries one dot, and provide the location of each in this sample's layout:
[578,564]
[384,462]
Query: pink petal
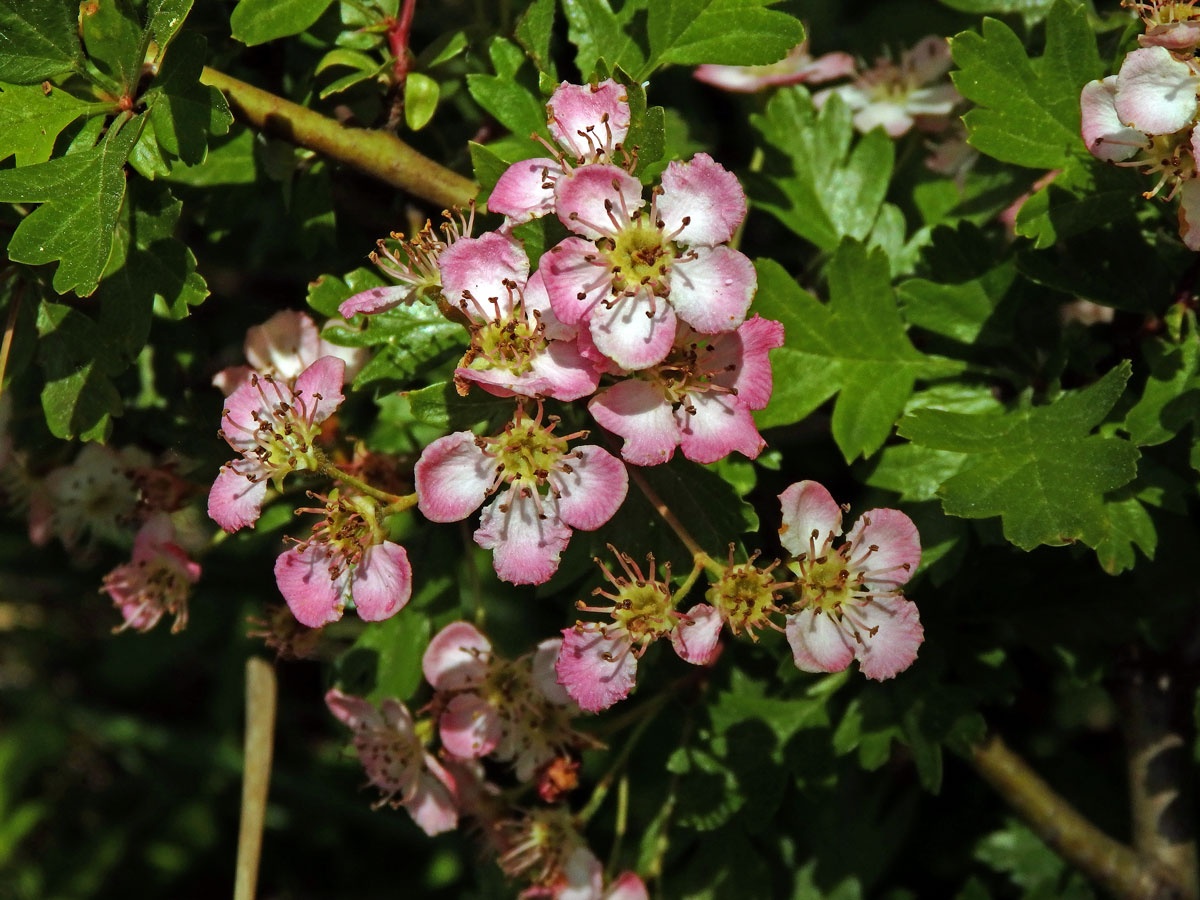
[469,726]
[525,191]
[545,679]
[796,68]
[584,874]
[352,711]
[574,284]
[381,583]
[596,669]
[601,111]
[526,547]
[1178,36]
[707,194]
[559,371]
[479,268]
[635,332]
[431,804]
[929,59]
[747,351]
[719,425]
[457,658]
[818,642]
[537,305]
[893,647]
[594,489]
[242,406]
[640,412]
[284,344]
[231,378]
[584,197]
[698,641]
[1189,213]
[809,514]
[234,501]
[314,598]
[376,300]
[1105,136]
[712,290]
[899,545]
[319,388]
[1156,93]
[452,477]
[627,886]
[355,358]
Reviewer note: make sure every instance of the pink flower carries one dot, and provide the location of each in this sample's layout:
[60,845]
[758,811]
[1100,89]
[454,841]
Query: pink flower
[632,270]
[849,599]
[598,662]
[284,346]
[512,710]
[550,490]
[589,122]
[1155,92]
[396,761]
[518,346]
[95,497]
[898,96]
[583,879]
[1169,24]
[798,67]
[156,582]
[274,428]
[347,558]
[700,397]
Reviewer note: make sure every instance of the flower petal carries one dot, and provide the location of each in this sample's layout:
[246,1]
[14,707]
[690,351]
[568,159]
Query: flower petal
[893,646]
[635,332]
[375,300]
[558,371]
[234,501]
[586,119]
[469,726]
[352,711]
[319,388]
[742,359]
[587,198]
[584,877]
[1189,213]
[525,191]
[545,679]
[712,289]
[476,271]
[457,658]
[640,412]
[537,305]
[597,668]
[594,489]
[302,575]
[697,638]
[574,283]
[1156,93]
[705,193]
[809,513]
[431,803]
[381,583]
[526,547]
[284,344]
[627,886]
[719,425]
[899,545]
[1104,134]
[452,477]
[819,644]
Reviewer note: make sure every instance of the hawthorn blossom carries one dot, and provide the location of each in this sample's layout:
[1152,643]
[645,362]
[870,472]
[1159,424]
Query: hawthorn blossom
[746,596]
[598,661]
[156,582]
[583,879]
[93,497]
[588,122]
[1169,23]
[512,710]
[699,398]
[631,271]
[897,96]
[547,491]
[284,346]
[347,558]
[798,67]
[274,427]
[518,346]
[396,761]
[848,600]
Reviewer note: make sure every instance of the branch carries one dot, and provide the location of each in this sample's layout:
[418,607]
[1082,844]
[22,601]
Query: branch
[256,778]
[376,153]
[1111,864]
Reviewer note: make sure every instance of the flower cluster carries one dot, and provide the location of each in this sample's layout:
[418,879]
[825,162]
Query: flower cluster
[1145,116]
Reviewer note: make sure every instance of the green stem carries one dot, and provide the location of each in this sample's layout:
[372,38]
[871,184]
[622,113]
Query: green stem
[669,517]
[604,785]
[697,567]
[377,153]
[395,503]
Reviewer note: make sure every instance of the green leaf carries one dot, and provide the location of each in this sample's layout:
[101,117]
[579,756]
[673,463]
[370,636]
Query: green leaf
[385,661]
[1084,195]
[112,35]
[38,40]
[77,358]
[31,119]
[597,32]
[258,21]
[729,32]
[185,112]
[1032,11]
[164,18]
[1039,469]
[81,195]
[534,30]
[420,100]
[1129,526]
[440,406]
[229,161]
[854,346]
[513,104]
[1027,115]
[1171,398]
[814,182]
[960,311]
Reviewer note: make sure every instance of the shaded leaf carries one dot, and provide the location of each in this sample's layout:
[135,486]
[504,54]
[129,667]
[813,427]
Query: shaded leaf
[31,119]
[38,40]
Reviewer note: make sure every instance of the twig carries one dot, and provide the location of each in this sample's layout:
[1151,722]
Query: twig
[1111,864]
[377,153]
[698,555]
[6,344]
[260,730]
